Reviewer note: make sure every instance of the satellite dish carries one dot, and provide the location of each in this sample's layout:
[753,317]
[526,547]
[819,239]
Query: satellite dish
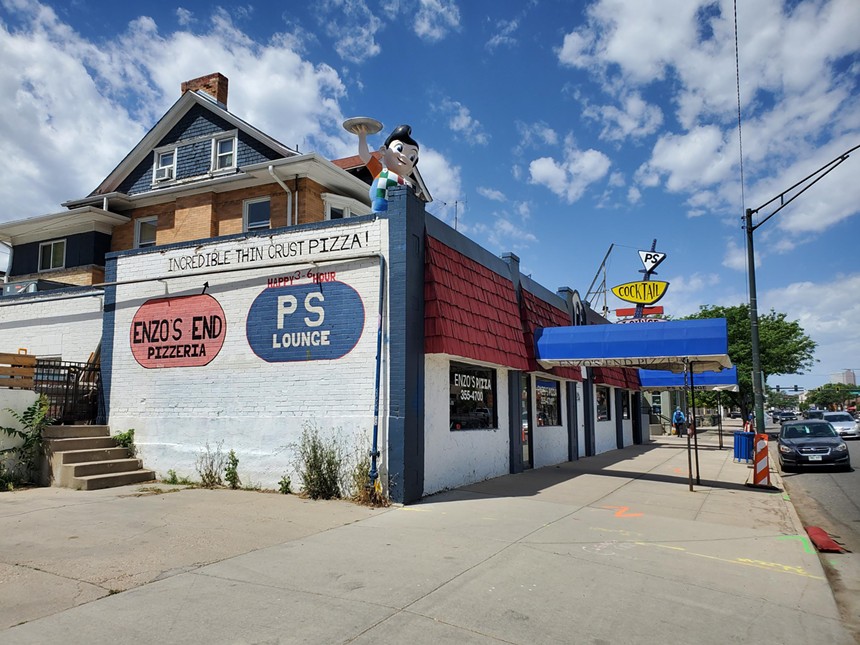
[359,124]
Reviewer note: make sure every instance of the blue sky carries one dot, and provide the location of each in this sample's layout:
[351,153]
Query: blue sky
[551,128]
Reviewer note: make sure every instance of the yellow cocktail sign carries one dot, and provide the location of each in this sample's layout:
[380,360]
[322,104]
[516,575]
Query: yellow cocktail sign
[643,292]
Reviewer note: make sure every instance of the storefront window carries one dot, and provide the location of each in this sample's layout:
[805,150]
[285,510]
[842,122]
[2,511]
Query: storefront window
[472,397]
[603,411]
[547,395]
[625,405]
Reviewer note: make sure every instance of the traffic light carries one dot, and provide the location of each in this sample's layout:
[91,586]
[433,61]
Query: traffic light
[777,388]
[795,388]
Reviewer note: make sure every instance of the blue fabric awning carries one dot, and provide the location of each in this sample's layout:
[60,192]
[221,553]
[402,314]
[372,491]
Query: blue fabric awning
[698,345]
[726,380]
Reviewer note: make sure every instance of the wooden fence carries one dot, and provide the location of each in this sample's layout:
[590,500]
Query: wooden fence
[17,371]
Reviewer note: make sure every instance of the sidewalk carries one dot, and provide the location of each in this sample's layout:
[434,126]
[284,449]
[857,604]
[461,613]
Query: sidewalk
[612,549]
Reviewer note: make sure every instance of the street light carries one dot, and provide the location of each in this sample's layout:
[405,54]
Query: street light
[807,182]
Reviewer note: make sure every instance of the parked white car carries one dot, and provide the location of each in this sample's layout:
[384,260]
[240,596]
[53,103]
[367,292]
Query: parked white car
[843,423]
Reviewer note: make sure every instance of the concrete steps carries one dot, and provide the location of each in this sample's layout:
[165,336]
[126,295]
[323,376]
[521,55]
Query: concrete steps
[88,458]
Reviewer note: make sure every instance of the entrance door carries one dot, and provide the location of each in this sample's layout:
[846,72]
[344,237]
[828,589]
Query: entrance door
[528,451]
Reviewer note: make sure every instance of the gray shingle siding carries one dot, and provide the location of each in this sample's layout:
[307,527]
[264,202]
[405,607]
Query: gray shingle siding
[195,159]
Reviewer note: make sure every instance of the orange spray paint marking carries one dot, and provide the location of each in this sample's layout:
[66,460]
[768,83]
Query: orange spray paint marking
[622,511]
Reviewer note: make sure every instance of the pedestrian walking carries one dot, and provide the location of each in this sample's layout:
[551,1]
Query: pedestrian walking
[678,420]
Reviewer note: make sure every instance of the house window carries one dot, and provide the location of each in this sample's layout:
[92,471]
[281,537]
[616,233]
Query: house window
[225,154]
[256,214]
[52,255]
[625,404]
[604,413]
[472,397]
[547,397]
[340,207]
[165,163]
[144,232]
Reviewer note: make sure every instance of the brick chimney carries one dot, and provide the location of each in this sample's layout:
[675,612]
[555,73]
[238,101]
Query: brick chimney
[213,84]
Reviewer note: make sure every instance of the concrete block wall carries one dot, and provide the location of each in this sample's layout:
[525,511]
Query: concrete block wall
[256,405]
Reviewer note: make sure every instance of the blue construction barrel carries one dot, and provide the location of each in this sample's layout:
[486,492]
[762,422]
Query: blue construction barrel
[744,442]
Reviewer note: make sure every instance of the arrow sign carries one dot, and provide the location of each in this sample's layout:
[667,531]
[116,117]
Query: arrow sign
[651,259]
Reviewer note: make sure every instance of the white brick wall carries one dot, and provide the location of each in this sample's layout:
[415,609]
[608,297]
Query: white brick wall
[51,324]
[456,458]
[257,408]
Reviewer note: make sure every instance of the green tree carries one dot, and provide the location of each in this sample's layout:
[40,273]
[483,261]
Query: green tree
[784,348]
[831,395]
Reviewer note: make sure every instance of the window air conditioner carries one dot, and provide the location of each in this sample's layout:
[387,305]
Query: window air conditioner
[164,173]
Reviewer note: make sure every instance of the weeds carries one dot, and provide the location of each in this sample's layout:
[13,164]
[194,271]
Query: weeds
[126,440]
[210,466]
[232,474]
[285,485]
[173,478]
[330,469]
[26,455]
[362,492]
[320,463]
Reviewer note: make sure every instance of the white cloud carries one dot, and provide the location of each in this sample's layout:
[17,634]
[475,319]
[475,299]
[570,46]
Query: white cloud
[444,182]
[796,94]
[352,26]
[829,318]
[503,35]
[492,194]
[461,121]
[65,89]
[504,235]
[534,135]
[634,119]
[435,18]
[571,176]
[736,257]
[184,16]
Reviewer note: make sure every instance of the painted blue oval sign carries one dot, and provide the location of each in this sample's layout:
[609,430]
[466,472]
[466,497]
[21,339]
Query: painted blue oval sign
[305,322]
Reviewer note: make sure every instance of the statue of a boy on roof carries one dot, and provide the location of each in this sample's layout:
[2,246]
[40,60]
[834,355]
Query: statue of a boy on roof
[399,158]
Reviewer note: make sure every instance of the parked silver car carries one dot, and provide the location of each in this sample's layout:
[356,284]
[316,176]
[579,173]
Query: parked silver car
[843,423]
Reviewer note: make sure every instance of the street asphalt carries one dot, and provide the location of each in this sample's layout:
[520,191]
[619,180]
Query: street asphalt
[609,549]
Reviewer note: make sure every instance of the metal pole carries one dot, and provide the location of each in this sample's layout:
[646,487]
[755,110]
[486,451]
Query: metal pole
[695,424]
[720,417]
[689,453]
[758,397]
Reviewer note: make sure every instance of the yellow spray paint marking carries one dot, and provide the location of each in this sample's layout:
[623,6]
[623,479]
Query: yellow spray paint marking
[622,511]
[748,562]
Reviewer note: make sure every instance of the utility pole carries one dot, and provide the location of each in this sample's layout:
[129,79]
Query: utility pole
[806,183]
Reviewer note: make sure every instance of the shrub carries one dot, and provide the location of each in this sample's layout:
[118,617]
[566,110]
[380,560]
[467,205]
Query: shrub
[27,455]
[232,472]
[320,463]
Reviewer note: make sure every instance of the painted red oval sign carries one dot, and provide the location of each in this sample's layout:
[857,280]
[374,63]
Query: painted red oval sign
[186,331]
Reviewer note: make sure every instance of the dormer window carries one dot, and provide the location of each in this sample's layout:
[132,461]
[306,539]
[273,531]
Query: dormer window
[164,166]
[224,153]
[340,207]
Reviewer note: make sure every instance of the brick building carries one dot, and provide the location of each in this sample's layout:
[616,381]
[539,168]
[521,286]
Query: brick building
[240,292]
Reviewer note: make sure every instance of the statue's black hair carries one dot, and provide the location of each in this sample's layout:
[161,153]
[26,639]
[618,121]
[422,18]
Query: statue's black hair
[402,133]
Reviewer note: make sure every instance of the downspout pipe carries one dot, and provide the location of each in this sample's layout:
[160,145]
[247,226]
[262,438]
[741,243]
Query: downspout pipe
[8,268]
[374,448]
[286,190]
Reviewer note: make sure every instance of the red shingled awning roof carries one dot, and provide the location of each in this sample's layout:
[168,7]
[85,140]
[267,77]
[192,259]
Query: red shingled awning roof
[536,312]
[469,310]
